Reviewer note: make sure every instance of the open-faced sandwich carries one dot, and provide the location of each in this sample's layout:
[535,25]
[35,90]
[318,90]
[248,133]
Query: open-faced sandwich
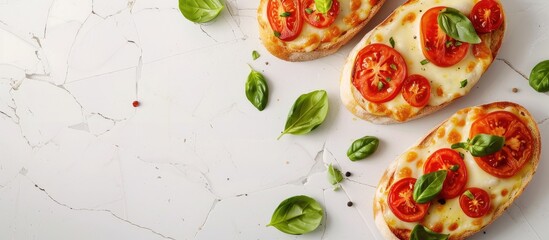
[426,54]
[461,176]
[301,30]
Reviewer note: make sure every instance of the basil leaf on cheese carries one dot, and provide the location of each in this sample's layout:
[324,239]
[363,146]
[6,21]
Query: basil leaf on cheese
[429,186]
[457,26]
[482,145]
[422,233]
[323,6]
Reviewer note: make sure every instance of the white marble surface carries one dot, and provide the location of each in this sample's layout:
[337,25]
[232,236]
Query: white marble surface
[196,160]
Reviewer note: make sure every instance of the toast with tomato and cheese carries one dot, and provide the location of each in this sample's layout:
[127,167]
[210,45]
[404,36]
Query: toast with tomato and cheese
[408,66]
[296,30]
[476,190]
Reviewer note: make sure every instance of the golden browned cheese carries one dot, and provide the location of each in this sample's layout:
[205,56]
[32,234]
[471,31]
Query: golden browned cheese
[447,217]
[409,18]
[403,27]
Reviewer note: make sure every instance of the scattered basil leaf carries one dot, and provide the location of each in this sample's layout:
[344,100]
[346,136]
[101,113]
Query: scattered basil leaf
[297,215]
[422,233]
[393,66]
[424,62]
[482,145]
[276,33]
[308,10]
[539,77]
[257,90]
[429,186]
[457,25]
[362,148]
[285,14]
[307,113]
[454,168]
[469,194]
[392,42]
[255,55]
[323,6]
[380,85]
[200,11]
[463,83]
[334,176]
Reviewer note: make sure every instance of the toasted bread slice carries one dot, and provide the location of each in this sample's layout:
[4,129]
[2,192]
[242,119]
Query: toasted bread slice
[403,26]
[448,217]
[314,42]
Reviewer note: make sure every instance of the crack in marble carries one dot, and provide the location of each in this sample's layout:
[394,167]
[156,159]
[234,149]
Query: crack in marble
[73,43]
[201,227]
[361,183]
[100,210]
[325,215]
[47,18]
[512,67]
[207,34]
[543,121]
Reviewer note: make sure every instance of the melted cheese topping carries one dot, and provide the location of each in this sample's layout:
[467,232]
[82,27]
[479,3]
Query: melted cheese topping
[404,27]
[450,218]
[351,14]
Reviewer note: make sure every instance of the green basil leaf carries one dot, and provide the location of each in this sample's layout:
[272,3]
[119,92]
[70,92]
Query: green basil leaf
[392,42]
[422,233]
[307,113]
[297,215]
[457,26]
[539,77]
[257,90]
[463,83]
[429,186]
[469,194]
[200,11]
[255,55]
[424,62]
[362,148]
[323,6]
[454,168]
[484,144]
[334,176]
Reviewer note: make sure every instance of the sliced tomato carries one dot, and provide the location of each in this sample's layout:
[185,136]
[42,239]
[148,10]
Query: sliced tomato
[416,90]
[486,16]
[450,160]
[439,48]
[285,18]
[476,204]
[518,143]
[379,73]
[317,19]
[402,203]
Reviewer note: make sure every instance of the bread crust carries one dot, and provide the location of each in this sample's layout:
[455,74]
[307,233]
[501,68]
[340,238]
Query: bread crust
[491,41]
[386,180]
[278,47]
